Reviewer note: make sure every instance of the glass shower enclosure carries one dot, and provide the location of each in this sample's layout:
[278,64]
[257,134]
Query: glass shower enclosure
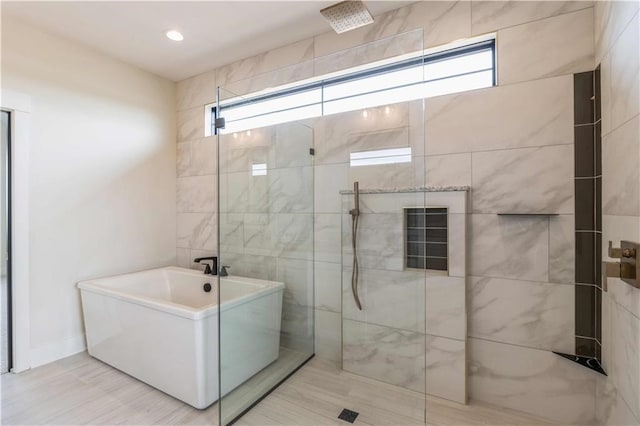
[266,250]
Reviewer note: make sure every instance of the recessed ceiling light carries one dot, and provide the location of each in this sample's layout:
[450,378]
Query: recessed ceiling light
[174,35]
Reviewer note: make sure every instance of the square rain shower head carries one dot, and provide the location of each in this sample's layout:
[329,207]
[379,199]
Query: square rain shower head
[347,15]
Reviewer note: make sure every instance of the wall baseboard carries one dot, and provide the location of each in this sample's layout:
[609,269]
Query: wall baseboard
[57,350]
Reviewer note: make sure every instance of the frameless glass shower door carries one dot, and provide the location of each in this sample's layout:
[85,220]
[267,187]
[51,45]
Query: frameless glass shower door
[266,254]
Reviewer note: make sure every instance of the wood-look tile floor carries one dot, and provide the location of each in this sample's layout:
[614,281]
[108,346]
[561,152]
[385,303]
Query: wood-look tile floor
[82,390]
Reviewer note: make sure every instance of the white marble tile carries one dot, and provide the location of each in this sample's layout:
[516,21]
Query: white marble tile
[337,135]
[561,249]
[389,298]
[457,250]
[531,380]
[455,201]
[625,70]
[526,313]
[487,16]
[611,409]
[294,235]
[446,170]
[509,247]
[263,63]
[445,307]
[389,176]
[610,20]
[231,232]
[442,22]
[197,157]
[389,202]
[621,170]
[386,354]
[501,117]
[549,47]
[625,356]
[380,241]
[239,151]
[328,335]
[526,180]
[291,190]
[183,257]
[605,335]
[196,91]
[329,180]
[328,286]
[446,369]
[197,194]
[605,93]
[328,237]
[260,235]
[250,265]
[292,143]
[198,230]
[240,192]
[625,295]
[190,124]
[370,52]
[297,276]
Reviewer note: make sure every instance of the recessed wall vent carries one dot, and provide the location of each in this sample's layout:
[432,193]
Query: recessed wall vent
[347,15]
[426,236]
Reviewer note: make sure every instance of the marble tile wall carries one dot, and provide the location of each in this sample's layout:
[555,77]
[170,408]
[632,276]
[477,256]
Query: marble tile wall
[412,331]
[523,123]
[617,39]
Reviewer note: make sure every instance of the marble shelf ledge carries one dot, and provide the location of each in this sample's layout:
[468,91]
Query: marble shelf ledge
[418,189]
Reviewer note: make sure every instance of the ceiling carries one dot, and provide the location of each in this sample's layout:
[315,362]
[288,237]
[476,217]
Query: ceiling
[216,32]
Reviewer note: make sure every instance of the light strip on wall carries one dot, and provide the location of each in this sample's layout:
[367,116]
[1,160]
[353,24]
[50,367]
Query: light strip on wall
[259,169]
[381,156]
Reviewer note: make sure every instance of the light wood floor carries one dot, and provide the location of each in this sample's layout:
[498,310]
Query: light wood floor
[82,390]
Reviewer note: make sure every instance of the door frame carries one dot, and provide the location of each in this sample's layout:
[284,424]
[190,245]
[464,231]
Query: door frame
[19,105]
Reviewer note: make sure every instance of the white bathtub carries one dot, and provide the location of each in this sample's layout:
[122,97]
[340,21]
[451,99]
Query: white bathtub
[161,327]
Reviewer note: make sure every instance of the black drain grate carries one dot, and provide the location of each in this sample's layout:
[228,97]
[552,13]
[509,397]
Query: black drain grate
[348,415]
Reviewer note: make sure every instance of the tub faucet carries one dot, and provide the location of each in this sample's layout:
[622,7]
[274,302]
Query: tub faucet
[208,270]
[223,270]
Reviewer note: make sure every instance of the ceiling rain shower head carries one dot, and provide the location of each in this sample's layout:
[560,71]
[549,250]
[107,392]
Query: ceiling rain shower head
[347,15]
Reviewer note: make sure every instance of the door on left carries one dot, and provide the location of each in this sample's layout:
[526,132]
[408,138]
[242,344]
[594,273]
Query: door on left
[5,273]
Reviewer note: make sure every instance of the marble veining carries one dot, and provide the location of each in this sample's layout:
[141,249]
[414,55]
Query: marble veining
[526,180]
[391,299]
[446,369]
[509,247]
[621,170]
[500,117]
[534,314]
[625,65]
[492,15]
[265,62]
[408,190]
[386,354]
[554,46]
[445,307]
[534,381]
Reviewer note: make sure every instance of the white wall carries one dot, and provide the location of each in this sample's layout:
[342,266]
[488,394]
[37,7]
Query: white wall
[102,175]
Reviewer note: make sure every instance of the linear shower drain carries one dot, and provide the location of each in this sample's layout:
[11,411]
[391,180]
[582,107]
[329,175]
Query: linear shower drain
[348,415]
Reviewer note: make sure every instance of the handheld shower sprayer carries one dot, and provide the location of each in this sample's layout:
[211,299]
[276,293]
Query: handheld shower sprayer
[355,215]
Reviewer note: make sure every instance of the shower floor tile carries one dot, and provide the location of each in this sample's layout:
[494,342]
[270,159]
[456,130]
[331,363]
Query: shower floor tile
[83,390]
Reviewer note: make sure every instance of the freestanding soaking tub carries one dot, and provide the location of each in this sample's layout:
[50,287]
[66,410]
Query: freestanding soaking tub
[161,327]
